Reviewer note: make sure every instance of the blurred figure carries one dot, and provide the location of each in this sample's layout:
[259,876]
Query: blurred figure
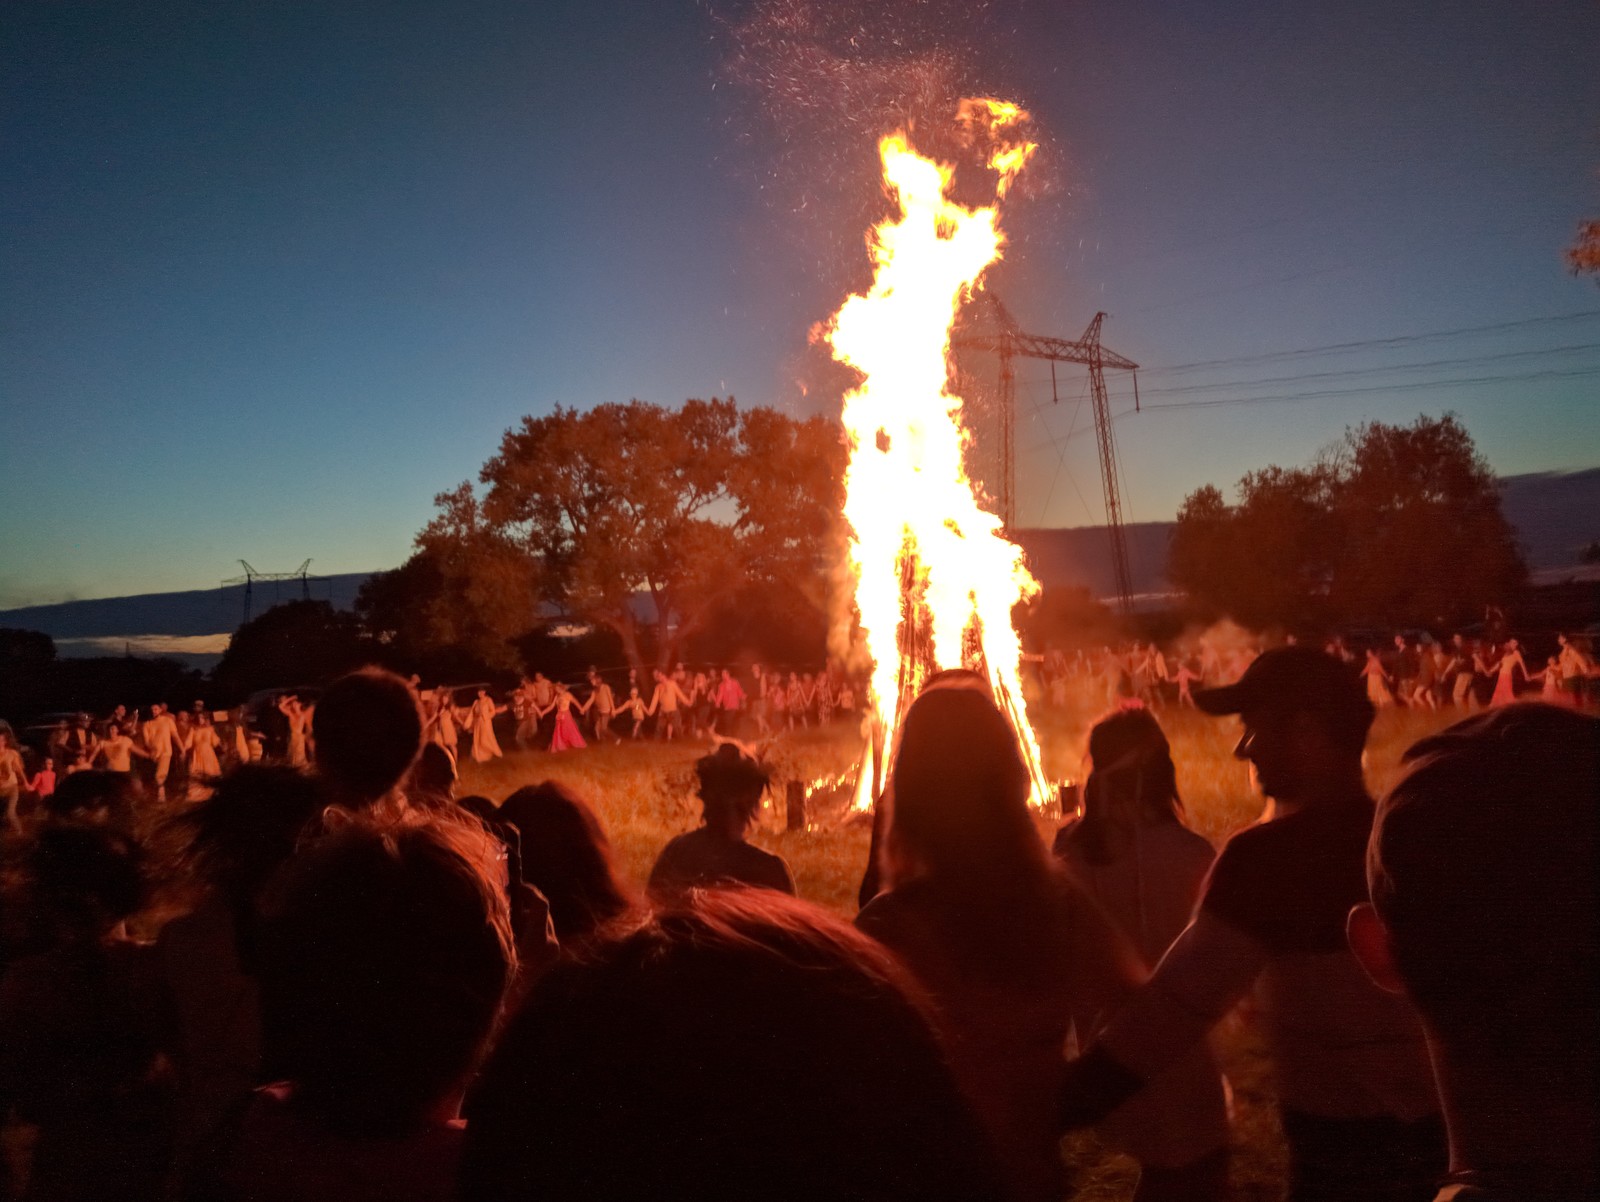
[1505,671]
[368,732]
[299,720]
[13,779]
[731,787]
[433,777]
[1014,955]
[481,715]
[743,1046]
[386,950]
[95,797]
[1484,912]
[1355,1091]
[202,745]
[1575,668]
[230,845]
[567,857]
[78,1055]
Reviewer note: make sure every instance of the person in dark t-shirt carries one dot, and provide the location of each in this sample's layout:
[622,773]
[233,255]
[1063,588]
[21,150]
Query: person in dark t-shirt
[731,787]
[1356,1092]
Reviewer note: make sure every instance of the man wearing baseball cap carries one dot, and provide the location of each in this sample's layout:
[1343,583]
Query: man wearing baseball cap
[1356,1092]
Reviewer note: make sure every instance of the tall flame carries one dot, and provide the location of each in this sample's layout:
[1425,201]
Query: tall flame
[935,576]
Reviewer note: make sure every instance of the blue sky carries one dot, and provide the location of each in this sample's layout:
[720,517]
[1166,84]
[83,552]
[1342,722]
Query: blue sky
[276,274]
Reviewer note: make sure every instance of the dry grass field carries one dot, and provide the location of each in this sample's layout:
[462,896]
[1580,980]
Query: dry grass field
[644,794]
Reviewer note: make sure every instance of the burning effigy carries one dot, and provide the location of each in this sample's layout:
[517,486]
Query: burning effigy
[935,576]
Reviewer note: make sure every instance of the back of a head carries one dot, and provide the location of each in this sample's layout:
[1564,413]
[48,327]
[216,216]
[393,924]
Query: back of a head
[1299,680]
[567,857]
[238,837]
[731,785]
[84,879]
[386,948]
[1482,867]
[960,799]
[94,795]
[368,731]
[433,777]
[1133,782]
[745,1045]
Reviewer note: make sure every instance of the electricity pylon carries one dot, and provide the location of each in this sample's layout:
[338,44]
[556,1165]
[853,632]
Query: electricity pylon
[989,326]
[275,578]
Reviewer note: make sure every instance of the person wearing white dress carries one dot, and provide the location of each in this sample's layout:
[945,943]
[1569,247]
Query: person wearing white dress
[485,746]
[202,745]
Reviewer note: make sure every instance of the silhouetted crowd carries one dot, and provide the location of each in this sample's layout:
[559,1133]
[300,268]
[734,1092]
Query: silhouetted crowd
[343,981]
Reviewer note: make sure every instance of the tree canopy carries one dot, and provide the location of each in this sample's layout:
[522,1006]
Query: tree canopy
[1394,524]
[633,517]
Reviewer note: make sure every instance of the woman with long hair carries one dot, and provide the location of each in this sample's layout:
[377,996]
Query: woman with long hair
[567,857]
[1130,849]
[1505,673]
[1019,960]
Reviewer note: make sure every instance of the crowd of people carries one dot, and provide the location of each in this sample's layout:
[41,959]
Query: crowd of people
[707,702]
[351,983]
[1414,670]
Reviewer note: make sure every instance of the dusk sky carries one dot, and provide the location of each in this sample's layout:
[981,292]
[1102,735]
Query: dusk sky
[275,274]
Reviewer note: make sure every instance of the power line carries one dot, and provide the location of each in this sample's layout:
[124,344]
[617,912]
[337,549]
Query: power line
[1351,372]
[1463,381]
[1364,344]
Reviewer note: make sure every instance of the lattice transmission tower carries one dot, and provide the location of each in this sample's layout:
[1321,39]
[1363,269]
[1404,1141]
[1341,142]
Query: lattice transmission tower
[987,325]
[276,579]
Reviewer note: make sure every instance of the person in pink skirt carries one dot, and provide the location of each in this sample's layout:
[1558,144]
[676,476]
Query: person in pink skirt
[566,736]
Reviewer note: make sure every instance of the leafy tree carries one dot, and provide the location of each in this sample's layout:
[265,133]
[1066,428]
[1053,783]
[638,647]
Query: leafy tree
[596,510]
[458,605]
[296,643]
[1583,256]
[1395,524]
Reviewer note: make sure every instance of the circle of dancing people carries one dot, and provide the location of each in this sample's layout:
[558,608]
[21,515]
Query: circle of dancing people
[1414,671]
[546,714]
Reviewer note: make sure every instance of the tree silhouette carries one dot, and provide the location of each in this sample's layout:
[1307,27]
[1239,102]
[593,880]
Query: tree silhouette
[639,519]
[1394,525]
[296,643]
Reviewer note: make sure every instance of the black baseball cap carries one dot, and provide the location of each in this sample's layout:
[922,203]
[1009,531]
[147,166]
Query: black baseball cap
[1292,679]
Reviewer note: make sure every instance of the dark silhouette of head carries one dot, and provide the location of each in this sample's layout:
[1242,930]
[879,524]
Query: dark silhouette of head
[95,795]
[959,805]
[82,880]
[386,949]
[1132,782]
[567,857]
[1483,871]
[1306,718]
[732,783]
[744,1045]
[433,777]
[234,840]
[368,731]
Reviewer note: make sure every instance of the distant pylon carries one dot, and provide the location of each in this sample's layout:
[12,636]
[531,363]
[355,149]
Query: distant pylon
[276,578]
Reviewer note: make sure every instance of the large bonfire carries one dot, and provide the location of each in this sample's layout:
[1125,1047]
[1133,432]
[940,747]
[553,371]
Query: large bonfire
[935,576]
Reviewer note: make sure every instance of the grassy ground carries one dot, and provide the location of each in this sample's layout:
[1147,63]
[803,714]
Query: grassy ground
[644,794]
